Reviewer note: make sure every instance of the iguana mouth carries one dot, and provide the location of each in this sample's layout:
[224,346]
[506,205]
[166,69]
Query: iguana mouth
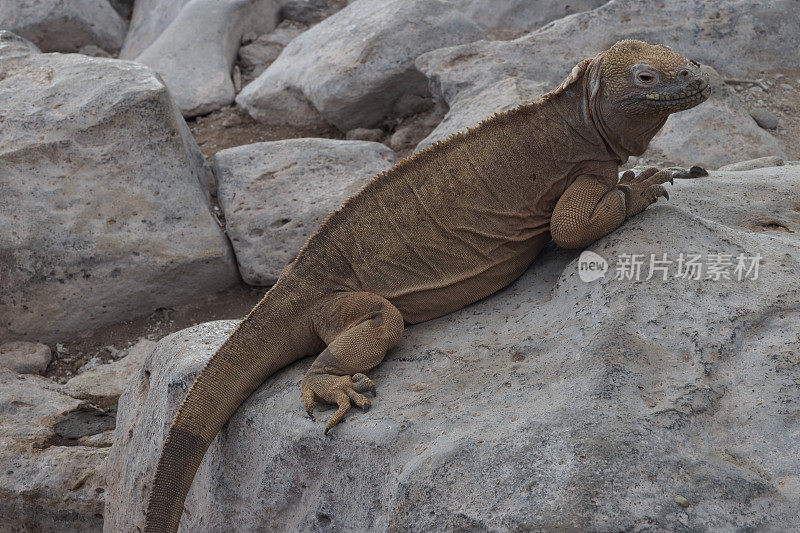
[679,99]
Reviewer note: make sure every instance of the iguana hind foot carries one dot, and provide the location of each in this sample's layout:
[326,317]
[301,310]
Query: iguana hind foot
[359,328]
[339,390]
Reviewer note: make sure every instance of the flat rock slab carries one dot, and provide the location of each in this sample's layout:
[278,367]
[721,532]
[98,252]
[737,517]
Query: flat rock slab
[275,195]
[102,198]
[64,25]
[25,357]
[556,404]
[752,164]
[195,53]
[105,383]
[48,482]
[351,68]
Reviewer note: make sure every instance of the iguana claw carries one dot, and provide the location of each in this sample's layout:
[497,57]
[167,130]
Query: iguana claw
[340,390]
[644,188]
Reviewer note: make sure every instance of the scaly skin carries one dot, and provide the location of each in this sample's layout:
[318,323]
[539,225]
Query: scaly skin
[442,229]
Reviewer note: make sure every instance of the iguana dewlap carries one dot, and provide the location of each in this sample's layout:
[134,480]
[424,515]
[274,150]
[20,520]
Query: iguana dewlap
[448,226]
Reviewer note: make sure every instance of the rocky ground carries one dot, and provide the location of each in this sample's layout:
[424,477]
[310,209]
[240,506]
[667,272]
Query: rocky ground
[162,160]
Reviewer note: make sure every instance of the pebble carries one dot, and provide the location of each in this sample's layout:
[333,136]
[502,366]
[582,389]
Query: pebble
[94,362]
[764,118]
[364,134]
[681,500]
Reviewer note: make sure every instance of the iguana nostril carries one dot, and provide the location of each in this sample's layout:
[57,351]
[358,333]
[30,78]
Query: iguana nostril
[684,73]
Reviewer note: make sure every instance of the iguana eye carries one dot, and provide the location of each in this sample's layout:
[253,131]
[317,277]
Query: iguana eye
[644,75]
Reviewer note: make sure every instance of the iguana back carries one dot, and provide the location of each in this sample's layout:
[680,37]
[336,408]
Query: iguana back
[462,218]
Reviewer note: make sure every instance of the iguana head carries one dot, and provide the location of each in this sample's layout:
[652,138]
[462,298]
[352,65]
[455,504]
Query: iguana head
[633,87]
[651,80]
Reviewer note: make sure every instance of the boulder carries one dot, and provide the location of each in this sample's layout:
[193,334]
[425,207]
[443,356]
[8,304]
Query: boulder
[104,383]
[196,52]
[102,197]
[64,25]
[712,32]
[25,357]
[275,195]
[556,404]
[715,34]
[149,19]
[506,19]
[50,482]
[351,68]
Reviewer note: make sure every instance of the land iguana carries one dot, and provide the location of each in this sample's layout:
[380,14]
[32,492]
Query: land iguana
[440,230]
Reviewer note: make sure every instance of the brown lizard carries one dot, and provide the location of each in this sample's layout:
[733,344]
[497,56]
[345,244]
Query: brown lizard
[442,229]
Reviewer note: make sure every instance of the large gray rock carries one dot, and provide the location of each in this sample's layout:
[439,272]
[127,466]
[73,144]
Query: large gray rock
[556,404]
[467,76]
[713,32]
[104,214]
[505,19]
[195,53]
[50,482]
[149,20]
[351,68]
[64,25]
[275,195]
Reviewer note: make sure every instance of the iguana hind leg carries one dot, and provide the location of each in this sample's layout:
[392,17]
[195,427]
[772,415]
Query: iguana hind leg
[358,328]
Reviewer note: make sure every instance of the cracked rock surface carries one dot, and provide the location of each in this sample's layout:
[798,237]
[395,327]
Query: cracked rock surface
[53,450]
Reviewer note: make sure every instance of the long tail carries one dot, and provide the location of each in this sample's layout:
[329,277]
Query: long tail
[261,345]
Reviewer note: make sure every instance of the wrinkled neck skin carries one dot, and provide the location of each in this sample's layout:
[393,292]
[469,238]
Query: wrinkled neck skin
[624,134]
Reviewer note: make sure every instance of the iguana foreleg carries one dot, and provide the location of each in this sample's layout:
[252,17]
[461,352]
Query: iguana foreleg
[359,328]
[594,206]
